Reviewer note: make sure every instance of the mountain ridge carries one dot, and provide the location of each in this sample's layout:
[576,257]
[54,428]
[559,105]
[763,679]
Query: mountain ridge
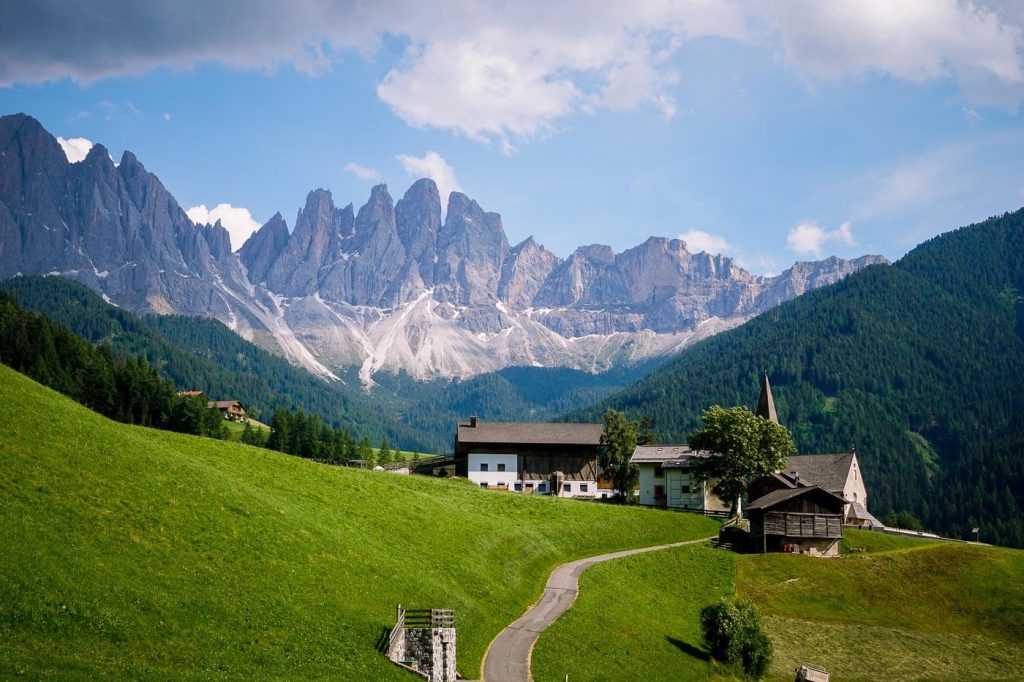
[391,287]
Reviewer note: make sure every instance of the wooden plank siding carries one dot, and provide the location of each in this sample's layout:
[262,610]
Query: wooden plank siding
[538,462]
[799,525]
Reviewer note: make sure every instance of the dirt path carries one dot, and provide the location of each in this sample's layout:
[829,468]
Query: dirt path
[508,657]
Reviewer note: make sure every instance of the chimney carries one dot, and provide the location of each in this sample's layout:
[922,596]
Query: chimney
[472,422]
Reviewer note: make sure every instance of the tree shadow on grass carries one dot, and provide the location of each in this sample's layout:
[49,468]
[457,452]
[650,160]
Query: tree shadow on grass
[689,649]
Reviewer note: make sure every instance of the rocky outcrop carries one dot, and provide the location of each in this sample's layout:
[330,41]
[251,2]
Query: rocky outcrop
[115,228]
[390,287]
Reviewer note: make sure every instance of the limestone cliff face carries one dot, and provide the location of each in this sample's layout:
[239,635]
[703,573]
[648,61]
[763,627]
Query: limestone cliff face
[388,287]
[115,228]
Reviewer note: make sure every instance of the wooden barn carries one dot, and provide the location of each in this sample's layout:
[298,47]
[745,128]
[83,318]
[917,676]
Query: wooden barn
[805,520]
[531,458]
[229,409]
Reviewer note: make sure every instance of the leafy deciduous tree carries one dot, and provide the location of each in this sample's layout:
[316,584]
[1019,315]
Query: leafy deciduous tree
[741,446]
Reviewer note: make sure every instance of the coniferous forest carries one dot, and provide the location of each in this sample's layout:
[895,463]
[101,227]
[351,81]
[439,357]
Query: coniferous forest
[127,389]
[918,365]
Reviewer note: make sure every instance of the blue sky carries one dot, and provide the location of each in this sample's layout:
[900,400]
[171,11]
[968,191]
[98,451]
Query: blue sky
[770,131]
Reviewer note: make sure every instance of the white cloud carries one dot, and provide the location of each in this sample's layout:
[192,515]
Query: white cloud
[167,116]
[363,172]
[699,240]
[75,148]
[432,165]
[236,220]
[509,73]
[809,238]
[913,40]
[471,89]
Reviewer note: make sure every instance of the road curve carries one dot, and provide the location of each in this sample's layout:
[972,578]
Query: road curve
[508,657]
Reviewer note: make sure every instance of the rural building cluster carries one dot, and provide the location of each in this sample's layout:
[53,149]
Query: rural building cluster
[801,508]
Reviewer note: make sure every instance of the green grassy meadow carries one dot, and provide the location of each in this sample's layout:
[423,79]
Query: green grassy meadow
[906,609]
[142,554]
[234,429]
[637,618]
[891,608]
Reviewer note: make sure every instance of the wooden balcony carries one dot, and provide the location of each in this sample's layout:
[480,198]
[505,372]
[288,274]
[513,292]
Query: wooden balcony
[802,525]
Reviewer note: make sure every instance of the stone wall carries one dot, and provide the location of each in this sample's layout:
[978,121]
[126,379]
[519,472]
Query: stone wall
[433,649]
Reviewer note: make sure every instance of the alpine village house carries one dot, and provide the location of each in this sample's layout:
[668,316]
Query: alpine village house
[529,458]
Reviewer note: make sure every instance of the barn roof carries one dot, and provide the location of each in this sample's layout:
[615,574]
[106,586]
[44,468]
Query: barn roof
[529,433]
[859,512]
[778,496]
[827,471]
[223,404]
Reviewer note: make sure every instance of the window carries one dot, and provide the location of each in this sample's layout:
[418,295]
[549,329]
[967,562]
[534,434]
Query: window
[659,471]
[686,489]
[483,466]
[483,484]
[542,487]
[501,466]
[519,487]
[584,487]
[567,487]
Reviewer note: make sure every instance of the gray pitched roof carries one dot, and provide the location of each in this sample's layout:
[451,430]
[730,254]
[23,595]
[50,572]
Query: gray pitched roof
[859,512]
[658,454]
[776,496]
[827,471]
[528,433]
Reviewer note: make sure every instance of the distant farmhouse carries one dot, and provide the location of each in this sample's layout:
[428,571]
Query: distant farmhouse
[530,458]
[191,394]
[229,409]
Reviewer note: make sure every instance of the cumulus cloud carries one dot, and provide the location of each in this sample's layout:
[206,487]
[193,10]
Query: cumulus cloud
[75,148]
[236,220]
[699,240]
[914,40]
[509,73]
[432,165]
[808,238]
[363,172]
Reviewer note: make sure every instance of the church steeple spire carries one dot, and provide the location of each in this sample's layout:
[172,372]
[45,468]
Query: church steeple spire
[766,404]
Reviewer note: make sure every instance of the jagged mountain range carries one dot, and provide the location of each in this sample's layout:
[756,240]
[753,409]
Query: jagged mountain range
[392,287]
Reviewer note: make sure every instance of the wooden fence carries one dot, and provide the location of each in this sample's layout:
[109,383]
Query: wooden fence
[429,618]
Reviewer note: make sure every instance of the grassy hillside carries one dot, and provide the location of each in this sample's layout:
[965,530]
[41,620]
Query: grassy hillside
[637,618]
[919,365]
[135,553]
[935,611]
[891,608]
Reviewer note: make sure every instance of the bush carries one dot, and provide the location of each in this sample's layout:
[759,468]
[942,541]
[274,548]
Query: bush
[734,634]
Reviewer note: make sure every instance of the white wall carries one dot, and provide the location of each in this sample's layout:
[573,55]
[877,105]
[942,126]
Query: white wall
[492,477]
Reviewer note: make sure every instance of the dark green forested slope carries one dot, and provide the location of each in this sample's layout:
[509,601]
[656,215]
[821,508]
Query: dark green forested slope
[919,364]
[201,353]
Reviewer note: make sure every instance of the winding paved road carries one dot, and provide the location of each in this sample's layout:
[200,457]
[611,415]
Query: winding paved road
[508,657]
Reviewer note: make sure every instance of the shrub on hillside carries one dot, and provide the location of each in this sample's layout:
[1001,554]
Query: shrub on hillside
[734,634]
